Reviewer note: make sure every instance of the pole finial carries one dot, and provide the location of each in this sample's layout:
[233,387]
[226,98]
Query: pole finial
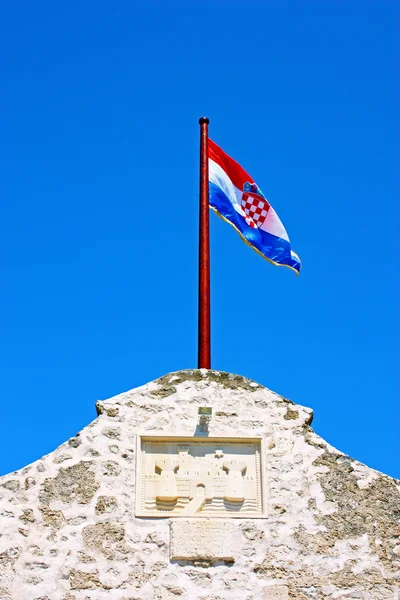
[204,120]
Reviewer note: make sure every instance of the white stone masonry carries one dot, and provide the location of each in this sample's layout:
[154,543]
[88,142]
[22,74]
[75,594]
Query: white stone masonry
[69,528]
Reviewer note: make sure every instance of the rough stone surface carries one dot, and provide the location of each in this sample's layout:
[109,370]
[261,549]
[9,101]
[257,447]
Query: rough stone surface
[202,539]
[68,529]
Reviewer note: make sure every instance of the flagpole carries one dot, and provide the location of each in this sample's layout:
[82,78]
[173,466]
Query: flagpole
[204,336]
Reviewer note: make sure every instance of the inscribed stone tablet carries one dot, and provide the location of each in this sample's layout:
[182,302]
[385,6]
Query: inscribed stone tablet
[202,539]
[276,592]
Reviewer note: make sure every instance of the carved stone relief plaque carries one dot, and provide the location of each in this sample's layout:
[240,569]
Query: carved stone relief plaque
[199,477]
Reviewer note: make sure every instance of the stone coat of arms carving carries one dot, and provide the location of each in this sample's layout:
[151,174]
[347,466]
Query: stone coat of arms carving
[199,477]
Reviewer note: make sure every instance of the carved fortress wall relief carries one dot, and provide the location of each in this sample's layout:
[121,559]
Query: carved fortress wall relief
[197,477]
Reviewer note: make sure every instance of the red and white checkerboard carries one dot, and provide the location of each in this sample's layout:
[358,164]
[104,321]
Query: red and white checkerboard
[255,210]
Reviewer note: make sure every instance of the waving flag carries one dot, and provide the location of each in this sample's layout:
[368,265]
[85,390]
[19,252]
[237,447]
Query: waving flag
[237,199]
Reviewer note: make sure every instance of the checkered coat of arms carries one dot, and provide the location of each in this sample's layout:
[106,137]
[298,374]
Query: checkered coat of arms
[254,206]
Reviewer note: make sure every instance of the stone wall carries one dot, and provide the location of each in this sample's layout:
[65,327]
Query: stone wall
[68,529]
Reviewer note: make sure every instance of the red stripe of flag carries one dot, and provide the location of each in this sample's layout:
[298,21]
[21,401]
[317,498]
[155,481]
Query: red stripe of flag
[235,172]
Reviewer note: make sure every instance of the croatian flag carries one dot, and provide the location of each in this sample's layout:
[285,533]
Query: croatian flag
[237,199]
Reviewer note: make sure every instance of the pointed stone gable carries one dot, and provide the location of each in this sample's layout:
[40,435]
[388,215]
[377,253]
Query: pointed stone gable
[269,509]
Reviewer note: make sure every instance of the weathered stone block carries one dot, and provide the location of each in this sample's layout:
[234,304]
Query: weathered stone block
[72,484]
[106,504]
[83,580]
[12,484]
[202,539]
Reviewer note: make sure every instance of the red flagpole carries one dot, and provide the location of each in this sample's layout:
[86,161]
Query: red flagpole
[204,352]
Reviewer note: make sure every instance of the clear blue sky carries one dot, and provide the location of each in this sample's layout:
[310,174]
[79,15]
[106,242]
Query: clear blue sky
[99,105]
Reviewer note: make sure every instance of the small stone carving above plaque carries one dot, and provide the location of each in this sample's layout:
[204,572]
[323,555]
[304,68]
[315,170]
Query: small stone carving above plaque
[199,477]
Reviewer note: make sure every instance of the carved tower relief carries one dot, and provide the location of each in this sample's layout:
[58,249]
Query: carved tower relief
[199,477]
